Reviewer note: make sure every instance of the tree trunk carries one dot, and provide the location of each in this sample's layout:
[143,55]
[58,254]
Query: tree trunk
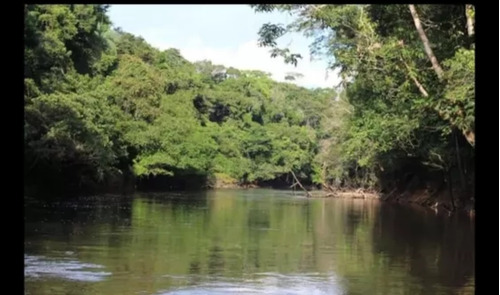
[469,10]
[459,161]
[470,21]
[468,134]
[428,50]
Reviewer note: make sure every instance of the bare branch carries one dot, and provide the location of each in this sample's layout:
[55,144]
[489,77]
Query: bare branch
[428,50]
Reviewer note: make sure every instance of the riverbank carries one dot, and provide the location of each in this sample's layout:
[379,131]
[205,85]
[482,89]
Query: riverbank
[347,194]
[440,200]
[434,196]
[437,198]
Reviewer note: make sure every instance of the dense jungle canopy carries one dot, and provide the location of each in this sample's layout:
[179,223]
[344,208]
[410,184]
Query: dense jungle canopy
[101,103]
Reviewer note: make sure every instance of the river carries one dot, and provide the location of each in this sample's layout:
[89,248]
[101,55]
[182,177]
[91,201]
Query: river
[252,241]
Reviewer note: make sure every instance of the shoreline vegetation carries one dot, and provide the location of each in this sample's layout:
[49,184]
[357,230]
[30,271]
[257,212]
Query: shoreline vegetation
[107,112]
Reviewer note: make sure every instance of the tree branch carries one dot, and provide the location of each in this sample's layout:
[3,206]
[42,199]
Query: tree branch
[417,83]
[428,50]
[308,194]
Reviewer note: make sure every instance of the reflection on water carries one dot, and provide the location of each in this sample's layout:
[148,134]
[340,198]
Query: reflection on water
[38,266]
[268,283]
[249,242]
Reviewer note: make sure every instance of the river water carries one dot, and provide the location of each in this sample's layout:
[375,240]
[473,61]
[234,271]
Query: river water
[244,242]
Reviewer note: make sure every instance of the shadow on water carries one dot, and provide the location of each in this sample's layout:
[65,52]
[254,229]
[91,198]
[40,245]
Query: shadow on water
[74,220]
[440,248]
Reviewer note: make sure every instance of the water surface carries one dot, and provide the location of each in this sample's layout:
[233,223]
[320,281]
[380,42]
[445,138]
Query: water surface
[244,242]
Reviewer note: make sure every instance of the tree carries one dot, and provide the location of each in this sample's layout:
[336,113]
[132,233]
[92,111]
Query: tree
[101,102]
[401,111]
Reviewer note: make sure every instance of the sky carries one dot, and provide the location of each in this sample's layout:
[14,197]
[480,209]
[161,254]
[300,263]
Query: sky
[223,34]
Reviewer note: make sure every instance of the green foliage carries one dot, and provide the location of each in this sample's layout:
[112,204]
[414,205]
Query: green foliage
[107,101]
[62,128]
[459,103]
[60,38]
[399,109]
[99,100]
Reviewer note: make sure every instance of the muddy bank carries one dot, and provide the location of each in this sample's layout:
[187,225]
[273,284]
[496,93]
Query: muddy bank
[348,194]
[437,200]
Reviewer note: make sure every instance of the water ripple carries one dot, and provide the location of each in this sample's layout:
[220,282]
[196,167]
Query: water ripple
[70,269]
[268,283]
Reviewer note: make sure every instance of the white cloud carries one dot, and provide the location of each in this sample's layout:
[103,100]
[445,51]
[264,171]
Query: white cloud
[249,56]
